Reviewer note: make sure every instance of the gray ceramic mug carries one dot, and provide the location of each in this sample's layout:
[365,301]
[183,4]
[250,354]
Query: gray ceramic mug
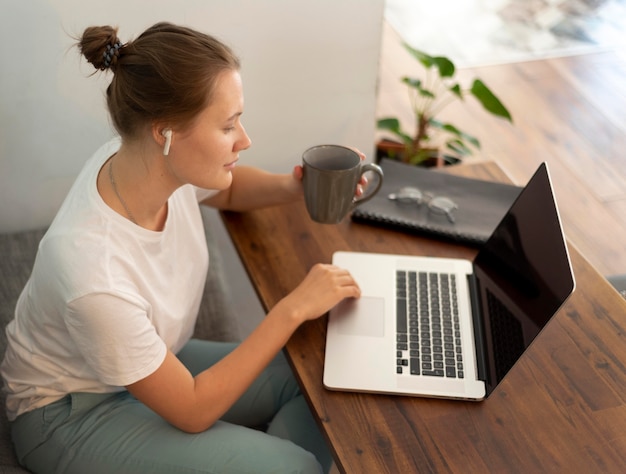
[331,175]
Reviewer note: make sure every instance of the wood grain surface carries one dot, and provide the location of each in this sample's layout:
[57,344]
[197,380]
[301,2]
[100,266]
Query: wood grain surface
[562,408]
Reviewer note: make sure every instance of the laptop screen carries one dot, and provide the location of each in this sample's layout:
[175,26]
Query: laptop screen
[523,276]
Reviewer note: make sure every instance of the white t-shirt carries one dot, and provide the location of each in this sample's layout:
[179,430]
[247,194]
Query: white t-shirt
[106,298]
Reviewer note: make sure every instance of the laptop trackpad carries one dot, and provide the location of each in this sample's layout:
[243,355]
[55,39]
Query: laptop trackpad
[360,317]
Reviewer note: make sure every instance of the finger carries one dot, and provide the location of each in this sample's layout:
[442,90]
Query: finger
[359,152]
[350,290]
[297,172]
[345,278]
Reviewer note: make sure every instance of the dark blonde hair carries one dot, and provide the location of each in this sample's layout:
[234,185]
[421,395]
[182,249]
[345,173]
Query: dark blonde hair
[166,75]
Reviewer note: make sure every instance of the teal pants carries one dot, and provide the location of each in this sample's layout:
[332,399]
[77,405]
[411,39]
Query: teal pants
[115,433]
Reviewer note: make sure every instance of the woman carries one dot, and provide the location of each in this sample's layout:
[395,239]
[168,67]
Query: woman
[100,370]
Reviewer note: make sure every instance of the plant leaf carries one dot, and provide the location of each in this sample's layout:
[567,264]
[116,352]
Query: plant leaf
[436,123]
[393,125]
[488,100]
[456,90]
[448,127]
[412,82]
[426,60]
[420,156]
[417,85]
[459,147]
[445,66]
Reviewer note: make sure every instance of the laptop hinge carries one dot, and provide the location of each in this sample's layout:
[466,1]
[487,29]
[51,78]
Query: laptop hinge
[479,330]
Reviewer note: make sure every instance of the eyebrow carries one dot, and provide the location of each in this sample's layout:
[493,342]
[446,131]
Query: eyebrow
[234,116]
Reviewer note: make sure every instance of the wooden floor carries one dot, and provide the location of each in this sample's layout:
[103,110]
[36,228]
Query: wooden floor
[570,112]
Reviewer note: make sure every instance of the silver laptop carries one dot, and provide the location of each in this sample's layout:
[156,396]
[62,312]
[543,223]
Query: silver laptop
[452,328]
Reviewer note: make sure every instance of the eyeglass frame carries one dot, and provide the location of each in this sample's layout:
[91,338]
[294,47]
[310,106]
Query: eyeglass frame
[437,204]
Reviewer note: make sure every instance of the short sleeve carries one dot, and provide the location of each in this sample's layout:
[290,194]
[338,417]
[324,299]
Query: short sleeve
[202,194]
[116,338]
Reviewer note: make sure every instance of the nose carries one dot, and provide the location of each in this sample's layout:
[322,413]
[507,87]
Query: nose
[244,142]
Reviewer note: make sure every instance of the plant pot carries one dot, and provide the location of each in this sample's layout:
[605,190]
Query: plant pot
[394,150]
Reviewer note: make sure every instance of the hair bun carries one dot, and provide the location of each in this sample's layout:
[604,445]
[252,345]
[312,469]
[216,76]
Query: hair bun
[101,46]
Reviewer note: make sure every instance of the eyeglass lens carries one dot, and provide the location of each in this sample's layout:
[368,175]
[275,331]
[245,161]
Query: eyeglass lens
[437,204]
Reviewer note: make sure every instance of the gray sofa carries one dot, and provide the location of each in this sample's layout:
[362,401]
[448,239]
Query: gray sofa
[619,282]
[216,320]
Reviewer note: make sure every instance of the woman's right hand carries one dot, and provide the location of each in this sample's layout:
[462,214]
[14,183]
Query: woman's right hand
[323,287]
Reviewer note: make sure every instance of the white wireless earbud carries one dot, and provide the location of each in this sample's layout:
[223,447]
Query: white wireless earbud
[167,133]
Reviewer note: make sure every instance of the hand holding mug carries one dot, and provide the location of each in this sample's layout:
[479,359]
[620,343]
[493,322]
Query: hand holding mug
[331,174]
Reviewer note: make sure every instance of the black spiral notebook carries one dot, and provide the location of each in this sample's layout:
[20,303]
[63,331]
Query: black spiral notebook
[480,204]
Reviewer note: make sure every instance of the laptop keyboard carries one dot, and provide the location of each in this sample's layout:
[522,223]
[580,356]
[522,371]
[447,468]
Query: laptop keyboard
[428,335]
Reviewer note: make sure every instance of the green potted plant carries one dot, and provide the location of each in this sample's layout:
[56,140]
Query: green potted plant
[432,138]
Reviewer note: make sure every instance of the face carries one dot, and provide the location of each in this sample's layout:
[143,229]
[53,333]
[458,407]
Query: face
[206,153]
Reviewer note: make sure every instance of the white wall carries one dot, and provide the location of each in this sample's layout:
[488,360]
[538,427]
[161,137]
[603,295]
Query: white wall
[309,69]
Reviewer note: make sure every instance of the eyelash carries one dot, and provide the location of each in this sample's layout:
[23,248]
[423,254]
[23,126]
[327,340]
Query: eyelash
[229,129]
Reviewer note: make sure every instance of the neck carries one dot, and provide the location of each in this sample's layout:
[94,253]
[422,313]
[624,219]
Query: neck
[134,185]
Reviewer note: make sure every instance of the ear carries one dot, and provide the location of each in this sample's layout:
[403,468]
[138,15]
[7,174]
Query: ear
[163,137]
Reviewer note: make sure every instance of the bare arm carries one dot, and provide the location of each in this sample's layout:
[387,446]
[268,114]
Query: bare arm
[253,188]
[194,404]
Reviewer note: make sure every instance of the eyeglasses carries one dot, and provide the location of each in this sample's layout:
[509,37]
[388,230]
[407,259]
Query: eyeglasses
[436,204]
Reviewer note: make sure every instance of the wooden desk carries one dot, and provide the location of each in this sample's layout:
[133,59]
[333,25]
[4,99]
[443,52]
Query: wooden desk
[562,408]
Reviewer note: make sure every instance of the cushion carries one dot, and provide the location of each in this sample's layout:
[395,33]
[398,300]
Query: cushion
[17,254]
[619,282]
[217,320]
